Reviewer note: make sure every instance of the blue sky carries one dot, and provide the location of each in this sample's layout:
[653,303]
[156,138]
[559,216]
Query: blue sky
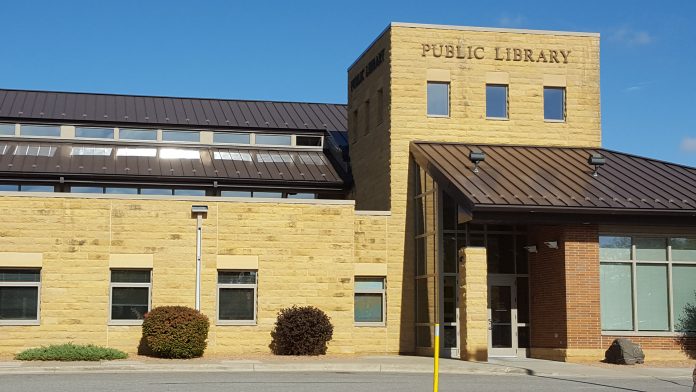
[299,51]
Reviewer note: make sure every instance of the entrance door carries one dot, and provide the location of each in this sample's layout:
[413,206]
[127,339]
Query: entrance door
[502,316]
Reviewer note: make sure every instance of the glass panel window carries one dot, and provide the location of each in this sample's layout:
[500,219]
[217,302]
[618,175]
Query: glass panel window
[231,138]
[614,248]
[684,293]
[651,249]
[156,191]
[273,140]
[36,188]
[496,101]
[302,195]
[308,141]
[94,133]
[181,136]
[616,301]
[683,249]
[137,134]
[86,189]
[130,294]
[99,151]
[653,306]
[19,295]
[9,188]
[136,152]
[438,99]
[39,130]
[369,300]
[268,195]
[554,103]
[121,191]
[178,153]
[7,129]
[237,296]
[235,194]
[189,192]
[35,150]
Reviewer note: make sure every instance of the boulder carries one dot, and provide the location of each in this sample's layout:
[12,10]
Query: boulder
[624,352]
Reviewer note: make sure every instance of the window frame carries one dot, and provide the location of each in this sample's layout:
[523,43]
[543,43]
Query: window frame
[113,285]
[634,263]
[507,102]
[220,286]
[382,292]
[564,99]
[37,321]
[449,99]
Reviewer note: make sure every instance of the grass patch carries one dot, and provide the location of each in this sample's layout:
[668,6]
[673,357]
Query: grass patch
[70,352]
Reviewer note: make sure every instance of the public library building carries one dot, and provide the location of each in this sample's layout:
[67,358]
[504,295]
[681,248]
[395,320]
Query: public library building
[463,184]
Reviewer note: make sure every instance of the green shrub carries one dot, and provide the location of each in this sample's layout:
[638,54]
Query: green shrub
[175,332]
[70,352]
[303,330]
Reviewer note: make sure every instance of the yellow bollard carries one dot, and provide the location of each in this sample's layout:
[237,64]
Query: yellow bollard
[436,367]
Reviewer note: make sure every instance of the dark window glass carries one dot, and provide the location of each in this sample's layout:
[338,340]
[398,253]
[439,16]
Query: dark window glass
[237,277]
[368,308]
[130,276]
[496,101]
[308,141]
[19,275]
[523,300]
[236,304]
[554,103]
[129,303]
[19,303]
[501,255]
[438,99]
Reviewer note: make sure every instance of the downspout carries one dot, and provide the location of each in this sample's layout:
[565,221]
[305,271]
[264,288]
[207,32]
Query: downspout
[199,211]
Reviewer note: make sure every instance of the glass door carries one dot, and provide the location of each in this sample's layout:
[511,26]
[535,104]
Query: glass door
[502,316]
[450,317]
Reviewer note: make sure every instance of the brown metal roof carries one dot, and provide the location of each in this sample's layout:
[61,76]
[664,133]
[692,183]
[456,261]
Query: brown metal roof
[557,179]
[30,159]
[47,106]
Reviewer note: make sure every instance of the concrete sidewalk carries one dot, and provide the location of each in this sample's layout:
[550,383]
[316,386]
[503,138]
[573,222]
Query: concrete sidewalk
[375,364]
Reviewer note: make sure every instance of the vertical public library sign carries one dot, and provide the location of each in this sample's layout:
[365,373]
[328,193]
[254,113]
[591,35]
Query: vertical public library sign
[465,52]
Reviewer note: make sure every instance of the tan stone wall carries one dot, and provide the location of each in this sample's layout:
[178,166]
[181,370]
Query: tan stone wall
[306,251]
[473,304]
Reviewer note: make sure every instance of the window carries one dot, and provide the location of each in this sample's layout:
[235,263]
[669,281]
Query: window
[273,140]
[19,296]
[237,297]
[181,136]
[156,191]
[97,151]
[86,189]
[301,196]
[9,188]
[130,295]
[178,153]
[496,101]
[35,150]
[438,99]
[380,106]
[639,275]
[137,134]
[370,301]
[36,188]
[308,141]
[7,129]
[235,194]
[189,192]
[366,130]
[136,152]
[231,138]
[268,195]
[40,130]
[94,133]
[554,103]
[120,191]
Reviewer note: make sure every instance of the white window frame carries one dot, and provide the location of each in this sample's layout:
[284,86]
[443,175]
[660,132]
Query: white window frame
[563,102]
[382,292]
[38,298]
[113,285]
[237,286]
[634,262]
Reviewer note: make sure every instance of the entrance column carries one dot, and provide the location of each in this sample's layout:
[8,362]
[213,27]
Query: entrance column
[473,304]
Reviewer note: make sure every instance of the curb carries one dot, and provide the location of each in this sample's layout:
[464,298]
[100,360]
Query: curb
[251,367]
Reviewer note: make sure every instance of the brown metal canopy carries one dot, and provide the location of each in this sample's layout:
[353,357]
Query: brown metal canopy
[557,179]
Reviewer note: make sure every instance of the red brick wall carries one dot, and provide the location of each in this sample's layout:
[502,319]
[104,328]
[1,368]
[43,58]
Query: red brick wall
[564,293]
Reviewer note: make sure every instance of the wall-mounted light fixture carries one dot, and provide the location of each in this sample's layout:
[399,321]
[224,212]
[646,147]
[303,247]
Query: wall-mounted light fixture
[596,160]
[551,244]
[531,248]
[477,157]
